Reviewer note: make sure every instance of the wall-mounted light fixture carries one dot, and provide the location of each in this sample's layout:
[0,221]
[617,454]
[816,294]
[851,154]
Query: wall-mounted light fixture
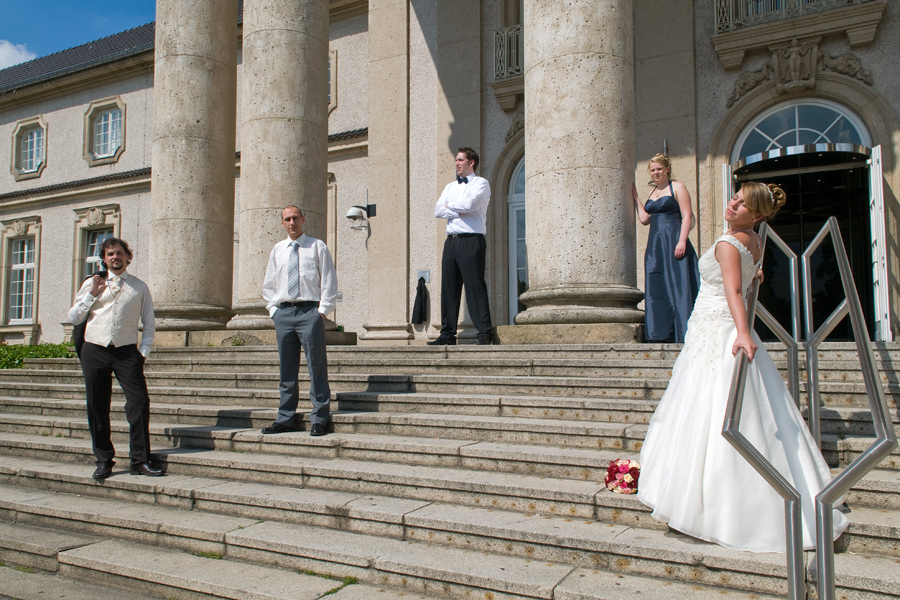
[359,217]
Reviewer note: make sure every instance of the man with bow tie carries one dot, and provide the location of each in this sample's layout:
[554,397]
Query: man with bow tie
[464,204]
[113,303]
[300,288]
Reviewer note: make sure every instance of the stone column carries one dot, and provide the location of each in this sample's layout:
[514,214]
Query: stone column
[191,232]
[388,248]
[284,136]
[579,148]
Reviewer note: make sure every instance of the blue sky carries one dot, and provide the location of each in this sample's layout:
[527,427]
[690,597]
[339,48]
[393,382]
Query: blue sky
[40,27]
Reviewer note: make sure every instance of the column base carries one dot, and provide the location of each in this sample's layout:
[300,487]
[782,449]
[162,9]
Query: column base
[175,317]
[574,305]
[571,333]
[387,334]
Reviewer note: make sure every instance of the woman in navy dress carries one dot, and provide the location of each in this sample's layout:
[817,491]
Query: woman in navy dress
[671,276]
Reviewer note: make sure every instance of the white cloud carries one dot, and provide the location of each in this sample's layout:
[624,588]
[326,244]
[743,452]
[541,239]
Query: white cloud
[13,54]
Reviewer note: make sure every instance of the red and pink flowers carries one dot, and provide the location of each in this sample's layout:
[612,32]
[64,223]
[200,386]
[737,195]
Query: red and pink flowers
[622,476]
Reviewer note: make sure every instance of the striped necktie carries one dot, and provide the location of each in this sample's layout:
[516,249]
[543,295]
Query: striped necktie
[294,271]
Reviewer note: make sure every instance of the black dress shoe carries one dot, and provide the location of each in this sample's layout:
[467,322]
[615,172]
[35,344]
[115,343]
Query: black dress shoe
[146,469]
[103,471]
[278,428]
[444,340]
[317,430]
[484,339]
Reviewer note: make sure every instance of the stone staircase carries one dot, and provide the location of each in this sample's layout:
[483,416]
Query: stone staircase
[456,472]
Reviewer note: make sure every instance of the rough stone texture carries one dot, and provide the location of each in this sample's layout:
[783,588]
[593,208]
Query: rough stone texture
[389,159]
[579,132]
[40,586]
[163,568]
[591,333]
[193,163]
[585,584]
[284,136]
[34,547]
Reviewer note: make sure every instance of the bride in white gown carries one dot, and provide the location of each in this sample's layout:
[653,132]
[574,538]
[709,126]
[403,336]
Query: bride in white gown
[691,476]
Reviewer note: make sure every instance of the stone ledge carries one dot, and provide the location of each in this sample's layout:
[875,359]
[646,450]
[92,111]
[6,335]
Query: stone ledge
[589,333]
[858,22]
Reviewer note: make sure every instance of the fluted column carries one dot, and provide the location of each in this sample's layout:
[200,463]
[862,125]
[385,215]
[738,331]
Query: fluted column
[191,231]
[284,136]
[579,144]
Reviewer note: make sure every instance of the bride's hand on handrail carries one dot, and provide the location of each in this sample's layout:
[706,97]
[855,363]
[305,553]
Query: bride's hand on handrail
[746,342]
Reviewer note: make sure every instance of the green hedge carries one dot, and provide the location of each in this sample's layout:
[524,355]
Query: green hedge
[12,356]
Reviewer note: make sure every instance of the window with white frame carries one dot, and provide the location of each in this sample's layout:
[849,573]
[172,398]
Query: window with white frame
[29,148]
[20,241]
[107,132]
[93,225]
[93,240]
[21,281]
[104,131]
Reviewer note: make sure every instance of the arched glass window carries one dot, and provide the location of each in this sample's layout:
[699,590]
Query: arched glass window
[801,123]
[518,251]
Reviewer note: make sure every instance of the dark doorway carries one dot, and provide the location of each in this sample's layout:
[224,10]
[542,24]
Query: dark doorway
[818,186]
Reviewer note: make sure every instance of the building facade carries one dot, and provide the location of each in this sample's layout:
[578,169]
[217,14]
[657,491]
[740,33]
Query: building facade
[343,103]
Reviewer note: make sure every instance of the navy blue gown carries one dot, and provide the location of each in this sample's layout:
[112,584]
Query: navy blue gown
[670,285]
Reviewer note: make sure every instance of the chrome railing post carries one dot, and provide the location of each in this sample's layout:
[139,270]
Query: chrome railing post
[886,437]
[731,432]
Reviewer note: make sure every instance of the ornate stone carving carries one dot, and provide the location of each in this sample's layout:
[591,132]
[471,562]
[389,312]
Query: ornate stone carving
[517,126]
[794,66]
[847,65]
[793,69]
[747,81]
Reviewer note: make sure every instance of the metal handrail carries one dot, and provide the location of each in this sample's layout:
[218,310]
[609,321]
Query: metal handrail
[731,432]
[886,437]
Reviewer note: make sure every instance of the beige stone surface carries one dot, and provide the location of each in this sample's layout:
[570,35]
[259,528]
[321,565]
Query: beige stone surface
[579,131]
[388,246]
[284,135]
[193,155]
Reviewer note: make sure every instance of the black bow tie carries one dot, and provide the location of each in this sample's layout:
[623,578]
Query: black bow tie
[462,180]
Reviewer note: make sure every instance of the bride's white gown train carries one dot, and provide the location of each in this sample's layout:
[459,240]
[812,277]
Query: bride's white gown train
[691,476]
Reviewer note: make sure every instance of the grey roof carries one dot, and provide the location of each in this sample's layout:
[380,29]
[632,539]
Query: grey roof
[108,49]
[121,45]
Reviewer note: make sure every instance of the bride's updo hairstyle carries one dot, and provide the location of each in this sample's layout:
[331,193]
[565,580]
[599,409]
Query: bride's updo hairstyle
[763,199]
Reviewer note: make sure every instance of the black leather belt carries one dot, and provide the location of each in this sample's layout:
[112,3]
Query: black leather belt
[464,235]
[300,303]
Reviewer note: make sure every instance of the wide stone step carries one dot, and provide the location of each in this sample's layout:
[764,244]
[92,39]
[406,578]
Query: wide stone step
[352,521]
[238,429]
[26,585]
[261,389]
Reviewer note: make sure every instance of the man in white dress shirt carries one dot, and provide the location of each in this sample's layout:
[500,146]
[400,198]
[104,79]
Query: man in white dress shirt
[300,289]
[464,204]
[113,302]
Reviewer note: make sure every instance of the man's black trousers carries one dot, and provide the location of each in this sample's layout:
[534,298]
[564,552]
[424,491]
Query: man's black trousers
[98,363]
[462,265]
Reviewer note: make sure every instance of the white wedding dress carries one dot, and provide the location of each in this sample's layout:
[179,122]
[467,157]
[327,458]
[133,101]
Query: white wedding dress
[691,476]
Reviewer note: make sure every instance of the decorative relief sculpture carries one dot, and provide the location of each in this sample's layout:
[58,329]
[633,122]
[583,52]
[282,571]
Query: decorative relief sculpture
[793,68]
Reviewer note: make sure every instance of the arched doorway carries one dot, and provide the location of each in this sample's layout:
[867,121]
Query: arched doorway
[518,251]
[819,153]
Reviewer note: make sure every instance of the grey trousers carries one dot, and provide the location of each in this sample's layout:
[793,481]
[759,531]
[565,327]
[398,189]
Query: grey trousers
[296,327]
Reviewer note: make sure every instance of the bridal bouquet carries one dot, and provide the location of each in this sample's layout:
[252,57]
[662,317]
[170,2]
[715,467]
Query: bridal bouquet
[622,476]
